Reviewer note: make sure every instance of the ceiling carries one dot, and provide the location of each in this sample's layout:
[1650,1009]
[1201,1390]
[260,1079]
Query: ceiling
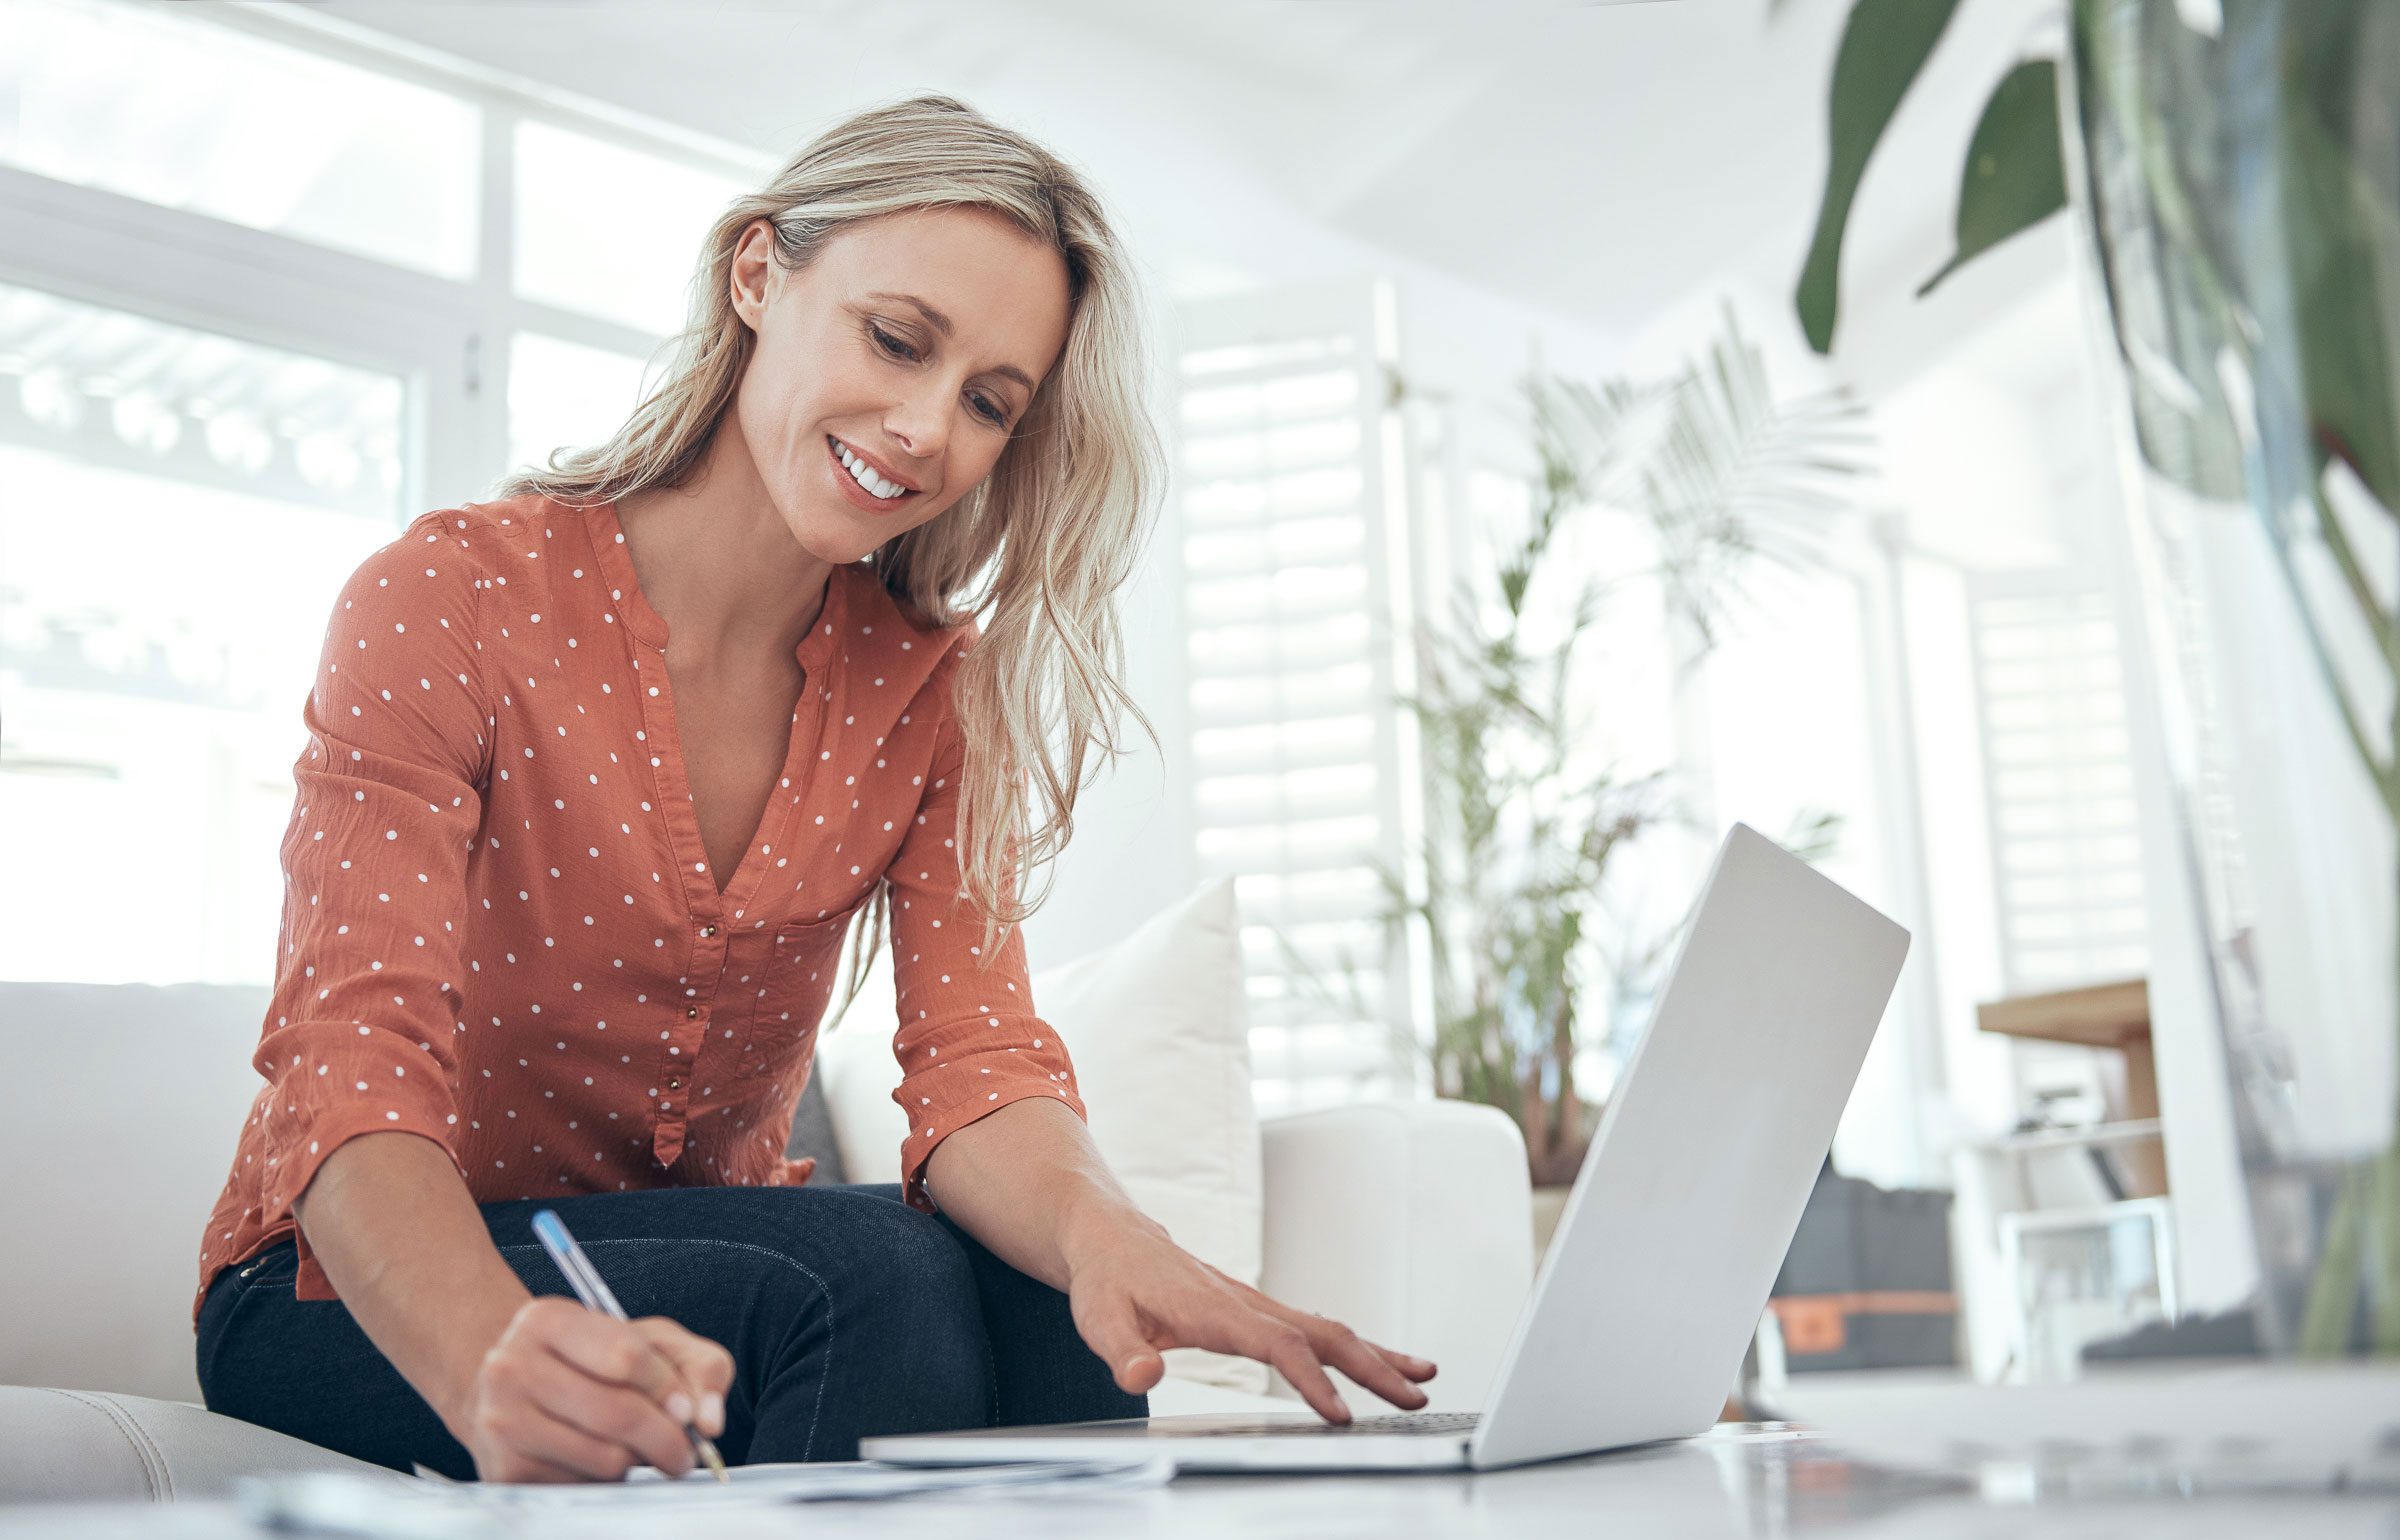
[1597,160]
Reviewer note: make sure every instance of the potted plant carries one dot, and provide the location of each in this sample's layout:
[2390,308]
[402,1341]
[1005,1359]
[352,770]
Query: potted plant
[2235,172]
[1532,967]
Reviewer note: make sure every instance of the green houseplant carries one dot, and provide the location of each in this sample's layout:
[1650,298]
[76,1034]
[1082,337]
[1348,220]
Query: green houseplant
[2235,172]
[1530,966]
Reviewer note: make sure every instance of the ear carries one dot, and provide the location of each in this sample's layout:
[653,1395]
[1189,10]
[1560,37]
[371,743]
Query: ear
[751,271]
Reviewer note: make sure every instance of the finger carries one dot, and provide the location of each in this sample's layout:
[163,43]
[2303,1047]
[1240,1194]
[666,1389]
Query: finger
[602,1347]
[1224,1322]
[1344,1349]
[706,1367]
[1407,1363]
[1113,1329]
[535,1434]
[614,1414]
[1284,1345]
[517,1465]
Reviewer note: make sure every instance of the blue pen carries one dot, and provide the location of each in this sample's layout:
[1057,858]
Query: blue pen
[551,1231]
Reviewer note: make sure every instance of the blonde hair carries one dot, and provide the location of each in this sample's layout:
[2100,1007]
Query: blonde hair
[1058,524]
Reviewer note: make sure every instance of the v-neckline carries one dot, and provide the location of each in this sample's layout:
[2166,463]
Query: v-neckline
[664,734]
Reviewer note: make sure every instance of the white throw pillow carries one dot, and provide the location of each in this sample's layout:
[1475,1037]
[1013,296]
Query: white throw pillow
[1158,1027]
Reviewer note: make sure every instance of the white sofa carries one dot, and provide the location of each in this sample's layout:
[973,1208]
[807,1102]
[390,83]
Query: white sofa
[1408,1220]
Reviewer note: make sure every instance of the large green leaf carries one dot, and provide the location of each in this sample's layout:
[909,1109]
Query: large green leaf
[2341,243]
[1884,45]
[2014,177]
[2170,322]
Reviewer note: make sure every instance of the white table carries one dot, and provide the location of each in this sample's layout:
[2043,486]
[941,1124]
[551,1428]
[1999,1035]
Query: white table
[1740,1481]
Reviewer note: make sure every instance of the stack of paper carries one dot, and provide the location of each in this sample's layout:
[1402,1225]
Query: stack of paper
[437,1508]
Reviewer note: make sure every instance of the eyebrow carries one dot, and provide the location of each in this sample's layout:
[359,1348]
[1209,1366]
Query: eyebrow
[941,323]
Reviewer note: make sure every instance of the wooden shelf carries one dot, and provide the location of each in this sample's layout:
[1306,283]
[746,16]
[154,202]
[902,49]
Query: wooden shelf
[2108,1016]
[2097,1016]
[2125,1132]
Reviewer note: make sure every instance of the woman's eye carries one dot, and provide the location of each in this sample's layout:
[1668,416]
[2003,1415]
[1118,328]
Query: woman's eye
[990,410]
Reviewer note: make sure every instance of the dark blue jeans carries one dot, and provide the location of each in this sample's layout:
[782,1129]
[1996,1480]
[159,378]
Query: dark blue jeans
[847,1313]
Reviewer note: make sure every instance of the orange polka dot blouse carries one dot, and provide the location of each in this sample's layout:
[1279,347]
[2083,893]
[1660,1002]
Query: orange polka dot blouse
[499,927]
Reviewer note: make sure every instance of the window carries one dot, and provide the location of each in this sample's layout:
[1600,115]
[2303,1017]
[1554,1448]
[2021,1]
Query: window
[153,704]
[1793,717]
[2066,837]
[619,284]
[1620,711]
[565,395]
[610,231]
[250,408]
[1295,579]
[191,115]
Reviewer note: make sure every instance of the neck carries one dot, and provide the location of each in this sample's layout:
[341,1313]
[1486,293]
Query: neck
[720,565]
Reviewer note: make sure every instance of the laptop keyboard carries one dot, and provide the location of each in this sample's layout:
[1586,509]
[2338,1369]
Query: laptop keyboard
[1423,1423]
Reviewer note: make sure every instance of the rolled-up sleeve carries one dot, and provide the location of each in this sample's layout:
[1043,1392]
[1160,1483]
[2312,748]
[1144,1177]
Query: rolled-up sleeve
[360,1027]
[969,1042]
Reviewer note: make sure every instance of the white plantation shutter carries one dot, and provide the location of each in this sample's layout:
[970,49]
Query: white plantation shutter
[2066,835]
[1295,551]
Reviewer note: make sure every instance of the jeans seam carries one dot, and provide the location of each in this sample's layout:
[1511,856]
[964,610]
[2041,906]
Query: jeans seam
[991,1377]
[816,1411]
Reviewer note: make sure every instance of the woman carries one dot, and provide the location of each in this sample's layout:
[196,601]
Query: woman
[563,906]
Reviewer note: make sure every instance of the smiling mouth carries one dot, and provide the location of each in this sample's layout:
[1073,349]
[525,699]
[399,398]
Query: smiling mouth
[867,479]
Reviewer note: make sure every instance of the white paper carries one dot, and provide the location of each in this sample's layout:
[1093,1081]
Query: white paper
[355,1505]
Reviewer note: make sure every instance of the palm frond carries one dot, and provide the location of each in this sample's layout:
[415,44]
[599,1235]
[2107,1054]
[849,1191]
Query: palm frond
[1512,893]
[1740,477]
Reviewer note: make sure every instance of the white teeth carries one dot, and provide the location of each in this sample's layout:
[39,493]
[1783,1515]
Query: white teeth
[864,476]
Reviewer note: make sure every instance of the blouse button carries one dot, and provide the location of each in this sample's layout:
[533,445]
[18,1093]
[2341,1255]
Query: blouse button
[691,1013]
[708,930]
[674,1082]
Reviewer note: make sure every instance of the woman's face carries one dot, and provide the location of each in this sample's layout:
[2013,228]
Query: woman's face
[915,341]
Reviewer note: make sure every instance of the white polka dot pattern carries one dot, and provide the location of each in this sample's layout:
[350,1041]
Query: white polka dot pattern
[501,930]
[969,1042]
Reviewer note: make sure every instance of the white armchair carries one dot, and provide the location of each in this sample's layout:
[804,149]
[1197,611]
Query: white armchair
[1410,1221]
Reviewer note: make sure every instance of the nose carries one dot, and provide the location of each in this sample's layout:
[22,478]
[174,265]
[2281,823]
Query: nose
[918,423]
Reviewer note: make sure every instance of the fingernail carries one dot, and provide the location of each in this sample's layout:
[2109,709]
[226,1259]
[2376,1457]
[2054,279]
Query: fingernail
[679,1406]
[712,1413]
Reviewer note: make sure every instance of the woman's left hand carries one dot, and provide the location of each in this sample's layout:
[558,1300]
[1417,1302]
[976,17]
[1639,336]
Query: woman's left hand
[1135,1292]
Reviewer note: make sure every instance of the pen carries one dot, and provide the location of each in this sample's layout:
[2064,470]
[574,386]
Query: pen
[586,1281]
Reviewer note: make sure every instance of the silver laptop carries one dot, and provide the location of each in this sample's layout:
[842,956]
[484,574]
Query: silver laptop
[1670,1239]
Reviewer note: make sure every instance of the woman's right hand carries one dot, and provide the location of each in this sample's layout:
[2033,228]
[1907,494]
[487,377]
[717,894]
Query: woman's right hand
[570,1394]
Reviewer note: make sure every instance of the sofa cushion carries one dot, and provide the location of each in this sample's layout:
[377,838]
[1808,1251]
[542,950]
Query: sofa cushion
[89,1446]
[143,1092]
[1158,1027]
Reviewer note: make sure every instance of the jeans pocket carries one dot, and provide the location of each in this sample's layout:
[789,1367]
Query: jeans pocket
[275,1267]
[279,1262]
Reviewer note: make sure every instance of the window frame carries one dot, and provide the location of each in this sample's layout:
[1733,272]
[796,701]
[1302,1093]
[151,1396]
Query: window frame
[1364,312]
[446,339]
